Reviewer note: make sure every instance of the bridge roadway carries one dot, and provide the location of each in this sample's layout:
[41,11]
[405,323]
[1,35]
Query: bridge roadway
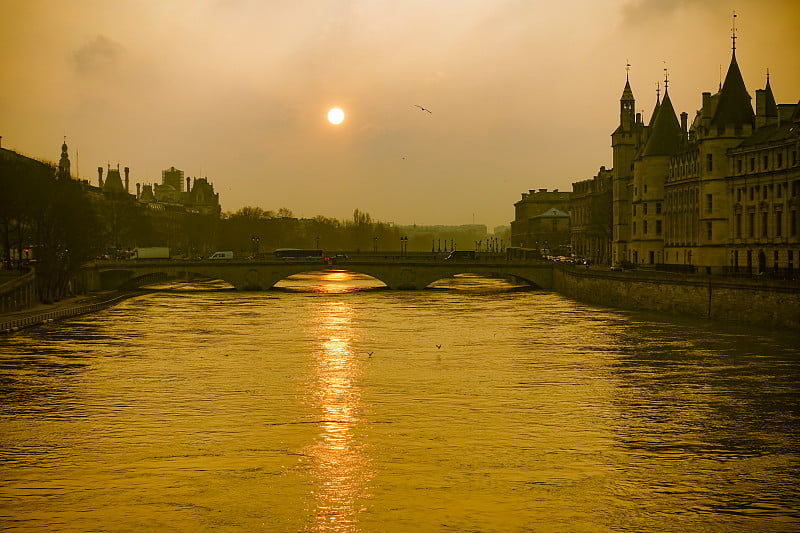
[409,273]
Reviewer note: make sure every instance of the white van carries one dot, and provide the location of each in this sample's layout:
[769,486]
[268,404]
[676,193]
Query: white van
[221,255]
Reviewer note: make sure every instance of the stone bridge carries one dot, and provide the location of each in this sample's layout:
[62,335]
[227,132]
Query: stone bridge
[263,275]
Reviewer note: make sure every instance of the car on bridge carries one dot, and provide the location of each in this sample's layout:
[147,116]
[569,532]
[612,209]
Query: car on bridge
[461,255]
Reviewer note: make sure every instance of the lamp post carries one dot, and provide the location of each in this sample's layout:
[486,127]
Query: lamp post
[255,240]
[375,244]
[403,246]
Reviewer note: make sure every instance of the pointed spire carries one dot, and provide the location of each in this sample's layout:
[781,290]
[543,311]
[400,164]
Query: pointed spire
[63,163]
[658,104]
[665,132]
[771,108]
[734,107]
[733,32]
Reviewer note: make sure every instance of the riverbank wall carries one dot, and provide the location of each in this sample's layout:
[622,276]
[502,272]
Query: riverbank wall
[18,292]
[762,303]
[60,310]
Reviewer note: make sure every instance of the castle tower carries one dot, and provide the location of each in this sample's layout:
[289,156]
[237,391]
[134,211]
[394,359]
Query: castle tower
[113,183]
[63,163]
[732,121]
[650,173]
[625,142]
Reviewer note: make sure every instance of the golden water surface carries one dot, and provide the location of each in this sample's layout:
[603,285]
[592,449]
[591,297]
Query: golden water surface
[325,408]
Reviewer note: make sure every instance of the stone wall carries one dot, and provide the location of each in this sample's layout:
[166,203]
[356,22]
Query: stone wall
[19,293]
[762,303]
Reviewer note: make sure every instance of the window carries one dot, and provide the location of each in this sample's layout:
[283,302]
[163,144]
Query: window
[658,208]
[634,209]
[738,225]
[645,188]
[709,162]
[751,224]
[764,220]
[708,230]
[793,223]
[658,227]
[751,193]
[778,225]
[752,164]
[794,157]
[764,192]
[779,191]
[709,203]
[644,227]
[738,166]
[738,195]
[775,259]
[780,159]
[634,228]
[766,162]
[644,209]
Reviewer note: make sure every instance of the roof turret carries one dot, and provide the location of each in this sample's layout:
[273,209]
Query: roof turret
[665,132]
[771,108]
[734,107]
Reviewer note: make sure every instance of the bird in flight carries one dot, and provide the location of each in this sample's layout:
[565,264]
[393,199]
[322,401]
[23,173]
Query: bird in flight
[424,109]
[369,354]
[438,346]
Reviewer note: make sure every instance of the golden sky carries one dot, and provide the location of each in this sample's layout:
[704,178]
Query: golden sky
[523,94]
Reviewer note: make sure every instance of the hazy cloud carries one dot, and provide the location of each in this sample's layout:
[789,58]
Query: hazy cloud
[97,56]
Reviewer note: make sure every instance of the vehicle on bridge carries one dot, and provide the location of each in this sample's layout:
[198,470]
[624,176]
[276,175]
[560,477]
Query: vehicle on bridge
[461,255]
[221,255]
[153,252]
[299,253]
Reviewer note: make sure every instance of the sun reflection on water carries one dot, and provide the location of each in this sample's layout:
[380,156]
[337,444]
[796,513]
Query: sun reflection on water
[329,282]
[341,469]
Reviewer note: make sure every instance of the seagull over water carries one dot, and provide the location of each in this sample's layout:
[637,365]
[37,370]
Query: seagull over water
[424,109]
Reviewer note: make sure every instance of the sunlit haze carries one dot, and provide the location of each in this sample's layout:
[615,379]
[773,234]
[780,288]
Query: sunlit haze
[453,108]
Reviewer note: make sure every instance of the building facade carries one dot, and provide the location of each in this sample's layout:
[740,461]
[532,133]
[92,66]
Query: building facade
[719,195]
[591,215]
[541,220]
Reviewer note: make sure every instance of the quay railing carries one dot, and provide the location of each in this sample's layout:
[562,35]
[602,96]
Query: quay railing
[12,325]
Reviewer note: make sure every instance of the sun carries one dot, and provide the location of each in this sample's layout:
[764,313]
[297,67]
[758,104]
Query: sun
[335,115]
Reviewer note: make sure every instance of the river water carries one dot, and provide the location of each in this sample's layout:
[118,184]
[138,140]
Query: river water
[471,407]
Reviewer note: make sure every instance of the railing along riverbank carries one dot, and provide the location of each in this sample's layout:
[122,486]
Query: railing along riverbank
[9,325]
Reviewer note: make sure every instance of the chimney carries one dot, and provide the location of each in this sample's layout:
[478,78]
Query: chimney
[685,124]
[188,179]
[100,176]
[127,171]
[138,190]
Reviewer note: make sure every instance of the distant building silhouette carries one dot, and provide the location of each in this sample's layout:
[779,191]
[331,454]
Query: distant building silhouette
[541,220]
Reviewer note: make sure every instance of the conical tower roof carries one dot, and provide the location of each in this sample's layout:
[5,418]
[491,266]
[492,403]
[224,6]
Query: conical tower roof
[627,93]
[734,107]
[771,108]
[665,133]
[655,110]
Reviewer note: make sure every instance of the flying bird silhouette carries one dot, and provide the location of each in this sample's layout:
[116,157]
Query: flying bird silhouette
[438,346]
[369,354]
[424,109]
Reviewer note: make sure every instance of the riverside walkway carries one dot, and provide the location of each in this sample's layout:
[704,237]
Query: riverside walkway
[66,308]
